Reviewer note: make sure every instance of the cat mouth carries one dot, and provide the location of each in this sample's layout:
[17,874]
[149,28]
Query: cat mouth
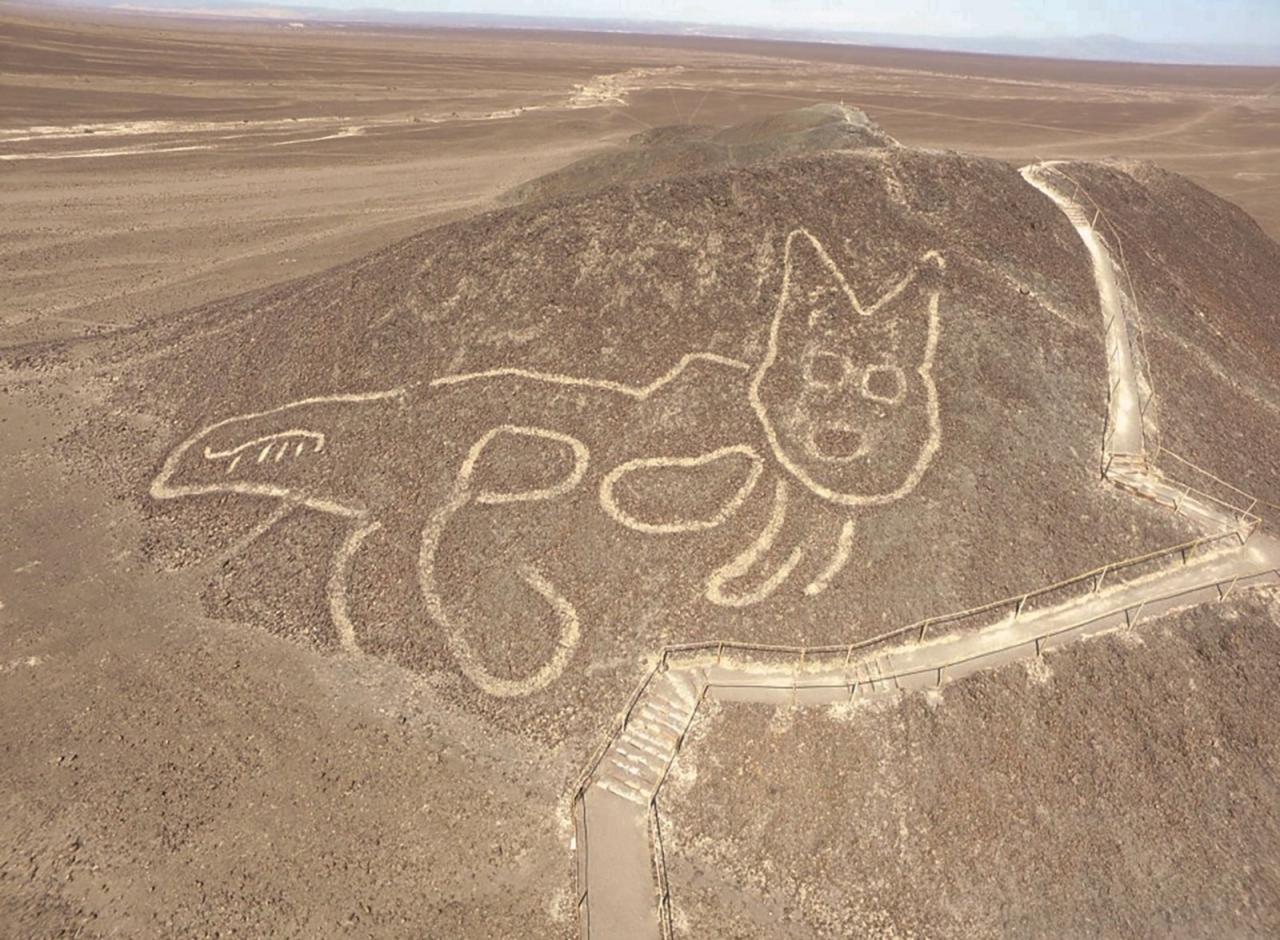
[837,443]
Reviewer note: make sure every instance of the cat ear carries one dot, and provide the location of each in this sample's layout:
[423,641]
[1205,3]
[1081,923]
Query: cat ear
[814,293]
[908,318]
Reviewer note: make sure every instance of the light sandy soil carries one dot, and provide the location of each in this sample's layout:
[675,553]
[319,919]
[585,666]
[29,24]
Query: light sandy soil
[151,164]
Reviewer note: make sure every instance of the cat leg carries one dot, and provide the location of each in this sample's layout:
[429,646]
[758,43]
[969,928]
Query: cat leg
[466,493]
[336,588]
[719,583]
[836,563]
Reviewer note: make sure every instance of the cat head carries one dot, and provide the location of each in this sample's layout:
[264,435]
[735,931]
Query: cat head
[845,393]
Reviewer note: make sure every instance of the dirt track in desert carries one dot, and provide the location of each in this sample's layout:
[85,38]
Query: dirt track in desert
[153,164]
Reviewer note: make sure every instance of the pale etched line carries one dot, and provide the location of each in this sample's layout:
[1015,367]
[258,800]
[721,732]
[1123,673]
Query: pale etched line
[161,487]
[743,562]
[847,289]
[566,644]
[610,505]
[336,589]
[634,391]
[110,152]
[581,459]
[565,613]
[924,370]
[899,384]
[1078,617]
[840,558]
[242,543]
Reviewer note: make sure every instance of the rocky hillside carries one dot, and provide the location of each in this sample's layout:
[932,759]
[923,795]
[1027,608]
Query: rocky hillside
[664,152]
[803,400]
[787,383]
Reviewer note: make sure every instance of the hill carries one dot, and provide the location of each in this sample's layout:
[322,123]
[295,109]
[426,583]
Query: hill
[614,292]
[787,384]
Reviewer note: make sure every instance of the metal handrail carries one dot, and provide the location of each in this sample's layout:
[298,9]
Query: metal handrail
[668,651]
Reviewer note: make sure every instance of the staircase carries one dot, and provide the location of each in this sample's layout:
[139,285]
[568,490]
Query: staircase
[866,677]
[1076,214]
[1128,469]
[637,760]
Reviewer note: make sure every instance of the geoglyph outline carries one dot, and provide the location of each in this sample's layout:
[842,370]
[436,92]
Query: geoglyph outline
[924,370]
[462,493]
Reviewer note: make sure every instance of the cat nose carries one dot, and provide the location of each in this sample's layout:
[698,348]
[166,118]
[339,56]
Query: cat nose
[838,442]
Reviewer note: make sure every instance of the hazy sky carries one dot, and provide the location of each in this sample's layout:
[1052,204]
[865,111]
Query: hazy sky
[1251,21]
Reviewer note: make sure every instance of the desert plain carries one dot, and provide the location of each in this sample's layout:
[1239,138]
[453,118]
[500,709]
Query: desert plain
[151,164]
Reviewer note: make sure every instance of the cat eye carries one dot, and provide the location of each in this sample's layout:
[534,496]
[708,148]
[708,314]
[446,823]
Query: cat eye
[884,384]
[824,369]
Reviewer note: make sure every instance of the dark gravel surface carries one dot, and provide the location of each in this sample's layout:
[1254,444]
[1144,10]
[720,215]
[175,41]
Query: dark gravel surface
[186,754]
[1126,788]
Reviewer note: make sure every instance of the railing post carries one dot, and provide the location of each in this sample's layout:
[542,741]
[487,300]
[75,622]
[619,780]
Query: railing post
[1222,595]
[1137,614]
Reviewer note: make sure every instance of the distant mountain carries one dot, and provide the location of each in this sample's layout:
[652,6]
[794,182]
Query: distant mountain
[1093,47]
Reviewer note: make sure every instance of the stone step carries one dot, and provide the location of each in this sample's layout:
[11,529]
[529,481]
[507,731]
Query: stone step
[636,756]
[671,703]
[641,776]
[633,740]
[687,685]
[656,738]
[623,789]
[664,720]
[1077,214]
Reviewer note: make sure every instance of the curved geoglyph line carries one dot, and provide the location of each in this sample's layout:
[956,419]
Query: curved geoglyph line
[609,503]
[742,563]
[581,459]
[336,588]
[296,441]
[639,392]
[565,614]
[924,370]
[619,794]
[839,558]
[161,487]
